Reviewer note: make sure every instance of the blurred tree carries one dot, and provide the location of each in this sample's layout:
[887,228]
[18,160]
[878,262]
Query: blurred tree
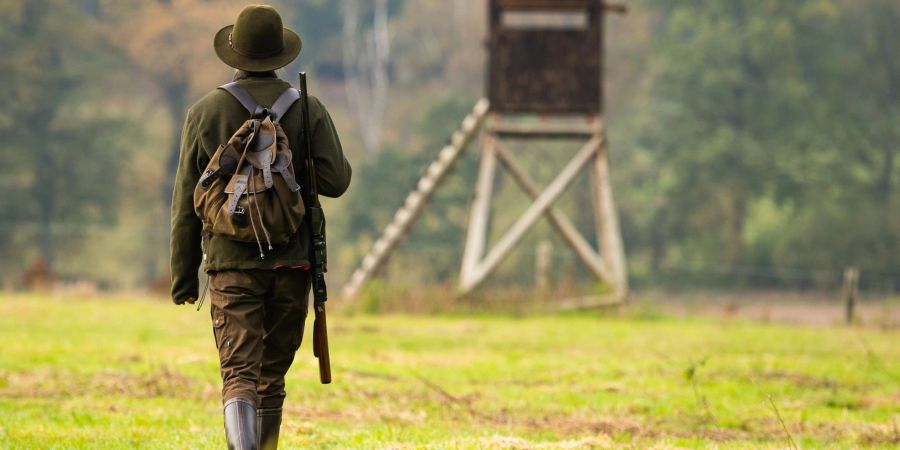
[729,110]
[317,22]
[366,61]
[779,126]
[870,83]
[849,204]
[62,154]
[160,38]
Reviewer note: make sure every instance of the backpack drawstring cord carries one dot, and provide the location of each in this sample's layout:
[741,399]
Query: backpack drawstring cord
[250,213]
[258,211]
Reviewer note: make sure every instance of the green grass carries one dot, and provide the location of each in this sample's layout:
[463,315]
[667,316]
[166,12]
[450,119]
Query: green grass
[105,373]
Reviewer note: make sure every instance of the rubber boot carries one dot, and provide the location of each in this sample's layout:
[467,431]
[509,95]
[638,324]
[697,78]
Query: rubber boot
[268,422]
[240,424]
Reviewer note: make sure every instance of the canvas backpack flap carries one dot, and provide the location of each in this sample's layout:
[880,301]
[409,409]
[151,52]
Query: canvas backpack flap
[238,140]
[219,171]
[241,183]
[262,149]
[209,192]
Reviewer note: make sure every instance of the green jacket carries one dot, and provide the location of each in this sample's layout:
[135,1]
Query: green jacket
[210,122]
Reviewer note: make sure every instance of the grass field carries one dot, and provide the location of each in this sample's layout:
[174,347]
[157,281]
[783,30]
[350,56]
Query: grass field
[108,373]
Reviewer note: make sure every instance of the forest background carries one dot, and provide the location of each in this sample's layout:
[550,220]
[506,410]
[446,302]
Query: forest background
[753,144]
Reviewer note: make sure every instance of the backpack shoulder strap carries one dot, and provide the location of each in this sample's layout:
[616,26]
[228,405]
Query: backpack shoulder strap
[241,95]
[283,104]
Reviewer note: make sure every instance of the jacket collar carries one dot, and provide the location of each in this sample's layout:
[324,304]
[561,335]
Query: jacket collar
[243,75]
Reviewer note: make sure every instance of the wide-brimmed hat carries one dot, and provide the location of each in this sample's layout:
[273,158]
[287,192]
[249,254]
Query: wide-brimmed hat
[258,41]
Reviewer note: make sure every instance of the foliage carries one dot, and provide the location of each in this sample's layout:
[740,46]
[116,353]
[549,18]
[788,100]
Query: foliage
[62,153]
[754,151]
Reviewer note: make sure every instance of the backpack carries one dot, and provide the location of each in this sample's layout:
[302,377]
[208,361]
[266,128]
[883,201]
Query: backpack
[248,191]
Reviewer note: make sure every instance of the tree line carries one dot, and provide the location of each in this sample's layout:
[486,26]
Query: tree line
[743,134]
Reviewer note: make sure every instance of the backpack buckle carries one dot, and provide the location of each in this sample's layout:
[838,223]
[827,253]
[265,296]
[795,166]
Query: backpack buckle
[239,218]
[260,112]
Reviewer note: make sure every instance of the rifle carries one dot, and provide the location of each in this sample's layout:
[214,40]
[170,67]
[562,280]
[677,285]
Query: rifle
[317,252]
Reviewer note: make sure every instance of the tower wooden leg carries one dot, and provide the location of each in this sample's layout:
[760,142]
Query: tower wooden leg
[607,220]
[479,216]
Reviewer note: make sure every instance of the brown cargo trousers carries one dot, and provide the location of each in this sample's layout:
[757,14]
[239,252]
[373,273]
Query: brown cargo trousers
[258,318]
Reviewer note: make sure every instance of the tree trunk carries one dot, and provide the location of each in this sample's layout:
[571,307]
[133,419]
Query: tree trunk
[892,78]
[175,92]
[735,243]
[657,242]
[42,158]
[366,71]
[886,183]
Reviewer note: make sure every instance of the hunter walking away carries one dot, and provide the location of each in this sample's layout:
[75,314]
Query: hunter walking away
[255,155]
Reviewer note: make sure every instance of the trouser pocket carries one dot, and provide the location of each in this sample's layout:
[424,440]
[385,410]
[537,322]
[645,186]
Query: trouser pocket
[219,320]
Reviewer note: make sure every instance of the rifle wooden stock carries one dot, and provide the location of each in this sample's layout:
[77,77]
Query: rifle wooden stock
[320,343]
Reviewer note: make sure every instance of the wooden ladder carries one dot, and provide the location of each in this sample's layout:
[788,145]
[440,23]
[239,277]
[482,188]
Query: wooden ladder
[416,201]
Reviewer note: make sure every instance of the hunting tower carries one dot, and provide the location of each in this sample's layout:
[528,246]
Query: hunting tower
[544,81]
